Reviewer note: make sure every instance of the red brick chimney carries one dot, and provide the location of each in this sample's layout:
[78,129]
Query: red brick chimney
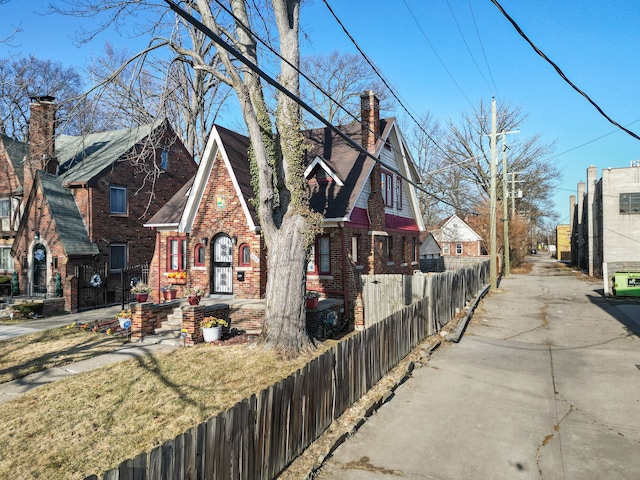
[370,110]
[41,141]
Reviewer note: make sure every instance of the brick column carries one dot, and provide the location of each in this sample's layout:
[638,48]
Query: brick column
[142,320]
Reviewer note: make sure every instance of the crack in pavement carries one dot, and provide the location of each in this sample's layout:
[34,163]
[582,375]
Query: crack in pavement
[365,464]
[545,323]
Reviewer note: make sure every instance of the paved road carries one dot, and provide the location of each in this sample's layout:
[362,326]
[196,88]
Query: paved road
[545,384]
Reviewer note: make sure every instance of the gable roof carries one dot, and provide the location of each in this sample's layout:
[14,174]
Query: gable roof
[16,151]
[348,168]
[83,157]
[455,230]
[65,214]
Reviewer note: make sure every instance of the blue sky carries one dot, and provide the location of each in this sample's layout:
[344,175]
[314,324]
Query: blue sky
[596,43]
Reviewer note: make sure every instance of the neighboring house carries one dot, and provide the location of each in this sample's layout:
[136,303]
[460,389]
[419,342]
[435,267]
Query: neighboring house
[12,154]
[209,233]
[456,238]
[430,249]
[85,200]
[606,223]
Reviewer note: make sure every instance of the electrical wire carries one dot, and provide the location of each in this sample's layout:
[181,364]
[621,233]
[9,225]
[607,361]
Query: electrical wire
[484,54]
[464,40]
[274,83]
[560,72]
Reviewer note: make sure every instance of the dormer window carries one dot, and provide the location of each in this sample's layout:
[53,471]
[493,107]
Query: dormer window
[164,160]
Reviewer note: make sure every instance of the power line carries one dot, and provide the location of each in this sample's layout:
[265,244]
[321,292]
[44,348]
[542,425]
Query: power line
[560,72]
[436,53]
[271,81]
[464,40]
[484,54]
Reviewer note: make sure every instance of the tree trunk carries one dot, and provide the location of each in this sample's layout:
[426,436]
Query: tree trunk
[285,314]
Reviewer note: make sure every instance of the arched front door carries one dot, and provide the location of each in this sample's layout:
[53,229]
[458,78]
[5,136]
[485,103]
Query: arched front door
[39,268]
[221,265]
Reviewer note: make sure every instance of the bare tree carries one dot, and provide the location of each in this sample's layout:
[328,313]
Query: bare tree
[343,76]
[458,166]
[25,77]
[287,224]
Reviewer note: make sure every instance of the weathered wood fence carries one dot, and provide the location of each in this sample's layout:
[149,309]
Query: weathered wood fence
[260,436]
[384,295]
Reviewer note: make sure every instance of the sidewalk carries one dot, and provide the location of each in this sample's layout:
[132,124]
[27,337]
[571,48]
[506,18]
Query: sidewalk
[543,385]
[20,386]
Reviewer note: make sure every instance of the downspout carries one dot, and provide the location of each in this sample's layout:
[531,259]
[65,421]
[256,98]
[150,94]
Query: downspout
[344,273]
[159,259]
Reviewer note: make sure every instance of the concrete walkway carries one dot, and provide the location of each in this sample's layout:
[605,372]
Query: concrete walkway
[545,384]
[20,386]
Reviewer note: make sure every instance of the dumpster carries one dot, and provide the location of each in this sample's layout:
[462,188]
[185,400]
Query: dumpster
[626,284]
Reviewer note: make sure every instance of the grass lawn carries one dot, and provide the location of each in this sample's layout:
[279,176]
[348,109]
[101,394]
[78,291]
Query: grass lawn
[91,422]
[35,352]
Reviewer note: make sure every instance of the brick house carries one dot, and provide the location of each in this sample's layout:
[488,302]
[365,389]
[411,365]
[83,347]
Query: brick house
[85,200]
[456,238]
[12,154]
[209,232]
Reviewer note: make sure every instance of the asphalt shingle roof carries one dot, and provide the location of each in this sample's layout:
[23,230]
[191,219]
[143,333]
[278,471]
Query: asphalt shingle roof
[83,157]
[16,151]
[69,222]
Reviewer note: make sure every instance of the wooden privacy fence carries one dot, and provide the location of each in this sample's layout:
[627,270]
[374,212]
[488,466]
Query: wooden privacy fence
[384,295]
[260,436]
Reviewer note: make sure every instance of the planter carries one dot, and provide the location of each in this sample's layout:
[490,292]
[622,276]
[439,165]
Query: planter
[212,334]
[170,294]
[177,281]
[124,322]
[312,302]
[193,300]
[141,297]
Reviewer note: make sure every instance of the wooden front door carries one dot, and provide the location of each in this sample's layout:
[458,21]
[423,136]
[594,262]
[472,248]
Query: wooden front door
[221,268]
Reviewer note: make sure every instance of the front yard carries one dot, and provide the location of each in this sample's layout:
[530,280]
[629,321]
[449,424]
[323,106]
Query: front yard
[92,421]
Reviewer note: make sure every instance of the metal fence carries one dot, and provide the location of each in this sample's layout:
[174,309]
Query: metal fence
[99,287]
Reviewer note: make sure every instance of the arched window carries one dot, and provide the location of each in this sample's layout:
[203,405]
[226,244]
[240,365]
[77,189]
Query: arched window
[244,256]
[198,256]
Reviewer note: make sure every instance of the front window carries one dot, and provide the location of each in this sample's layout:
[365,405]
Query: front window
[387,188]
[399,193]
[414,249]
[164,160]
[6,260]
[118,200]
[117,256]
[5,207]
[445,249]
[199,255]
[320,256]
[176,255]
[244,259]
[354,249]
[458,249]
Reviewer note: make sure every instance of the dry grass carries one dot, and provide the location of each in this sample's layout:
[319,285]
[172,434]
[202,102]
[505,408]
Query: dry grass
[35,352]
[91,422]
[526,267]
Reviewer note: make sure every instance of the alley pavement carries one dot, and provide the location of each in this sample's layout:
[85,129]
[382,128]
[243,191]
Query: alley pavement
[545,384]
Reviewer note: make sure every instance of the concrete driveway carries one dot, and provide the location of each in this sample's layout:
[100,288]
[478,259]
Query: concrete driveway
[545,384]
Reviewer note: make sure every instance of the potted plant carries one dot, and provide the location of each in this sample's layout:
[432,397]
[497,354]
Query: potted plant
[194,295]
[176,278]
[124,318]
[312,300]
[169,292]
[212,328]
[141,291]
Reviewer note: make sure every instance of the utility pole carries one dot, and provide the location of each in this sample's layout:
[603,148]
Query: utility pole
[505,209]
[492,209]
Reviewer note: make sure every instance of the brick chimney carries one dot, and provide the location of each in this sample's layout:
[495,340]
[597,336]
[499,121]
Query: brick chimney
[370,111]
[41,141]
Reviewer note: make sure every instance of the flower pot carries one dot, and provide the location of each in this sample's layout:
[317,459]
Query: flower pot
[169,294]
[193,300]
[141,297]
[312,302]
[124,322]
[212,334]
